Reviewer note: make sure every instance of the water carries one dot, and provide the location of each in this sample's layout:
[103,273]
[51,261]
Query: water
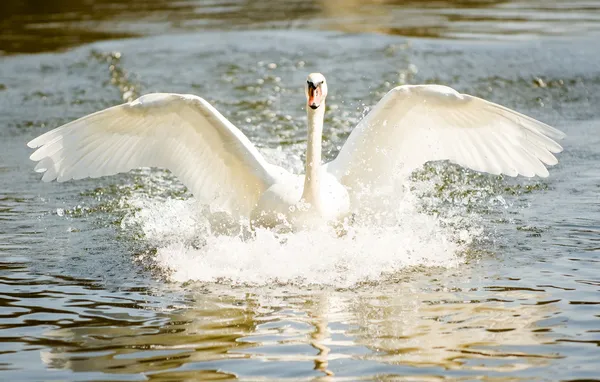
[468,277]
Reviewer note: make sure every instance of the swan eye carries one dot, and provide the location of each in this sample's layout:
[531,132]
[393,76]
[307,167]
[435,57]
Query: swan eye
[313,85]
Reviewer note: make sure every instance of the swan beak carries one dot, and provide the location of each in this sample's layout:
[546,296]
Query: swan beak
[315,95]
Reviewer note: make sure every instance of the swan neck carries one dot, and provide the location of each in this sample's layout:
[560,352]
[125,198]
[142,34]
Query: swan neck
[312,181]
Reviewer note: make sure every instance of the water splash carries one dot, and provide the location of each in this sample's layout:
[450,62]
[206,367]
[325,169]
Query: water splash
[375,247]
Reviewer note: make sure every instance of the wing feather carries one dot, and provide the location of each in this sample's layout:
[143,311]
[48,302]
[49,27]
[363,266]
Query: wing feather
[182,133]
[415,124]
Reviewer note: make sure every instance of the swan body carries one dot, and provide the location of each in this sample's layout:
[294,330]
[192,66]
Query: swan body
[411,125]
[282,204]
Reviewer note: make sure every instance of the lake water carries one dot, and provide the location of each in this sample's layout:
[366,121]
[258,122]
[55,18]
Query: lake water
[469,276]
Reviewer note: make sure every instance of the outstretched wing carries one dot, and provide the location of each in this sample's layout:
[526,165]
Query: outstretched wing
[414,124]
[182,133]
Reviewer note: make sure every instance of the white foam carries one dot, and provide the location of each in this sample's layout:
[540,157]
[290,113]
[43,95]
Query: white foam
[372,249]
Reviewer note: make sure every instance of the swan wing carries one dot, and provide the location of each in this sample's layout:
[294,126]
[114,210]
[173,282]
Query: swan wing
[182,133]
[415,124]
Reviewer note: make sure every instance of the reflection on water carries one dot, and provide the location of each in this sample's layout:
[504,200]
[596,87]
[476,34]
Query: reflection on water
[227,332]
[35,26]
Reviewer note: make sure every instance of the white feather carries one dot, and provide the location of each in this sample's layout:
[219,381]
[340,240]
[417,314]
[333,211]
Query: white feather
[182,133]
[415,124]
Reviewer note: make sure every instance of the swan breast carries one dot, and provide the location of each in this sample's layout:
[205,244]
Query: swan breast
[282,204]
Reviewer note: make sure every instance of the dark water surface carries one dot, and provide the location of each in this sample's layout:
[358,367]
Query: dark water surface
[482,278]
[36,25]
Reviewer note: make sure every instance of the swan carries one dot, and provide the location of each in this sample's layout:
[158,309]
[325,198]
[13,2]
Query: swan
[411,125]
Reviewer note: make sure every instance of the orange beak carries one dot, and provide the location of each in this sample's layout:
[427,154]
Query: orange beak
[315,96]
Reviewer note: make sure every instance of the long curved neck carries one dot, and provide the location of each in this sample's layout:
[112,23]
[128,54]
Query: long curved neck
[313,155]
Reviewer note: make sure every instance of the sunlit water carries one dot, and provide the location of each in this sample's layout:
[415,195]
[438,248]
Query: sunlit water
[460,275]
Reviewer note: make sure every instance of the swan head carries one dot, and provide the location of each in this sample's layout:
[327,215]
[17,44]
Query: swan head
[316,90]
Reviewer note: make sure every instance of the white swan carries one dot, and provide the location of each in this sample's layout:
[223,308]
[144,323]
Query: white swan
[411,125]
